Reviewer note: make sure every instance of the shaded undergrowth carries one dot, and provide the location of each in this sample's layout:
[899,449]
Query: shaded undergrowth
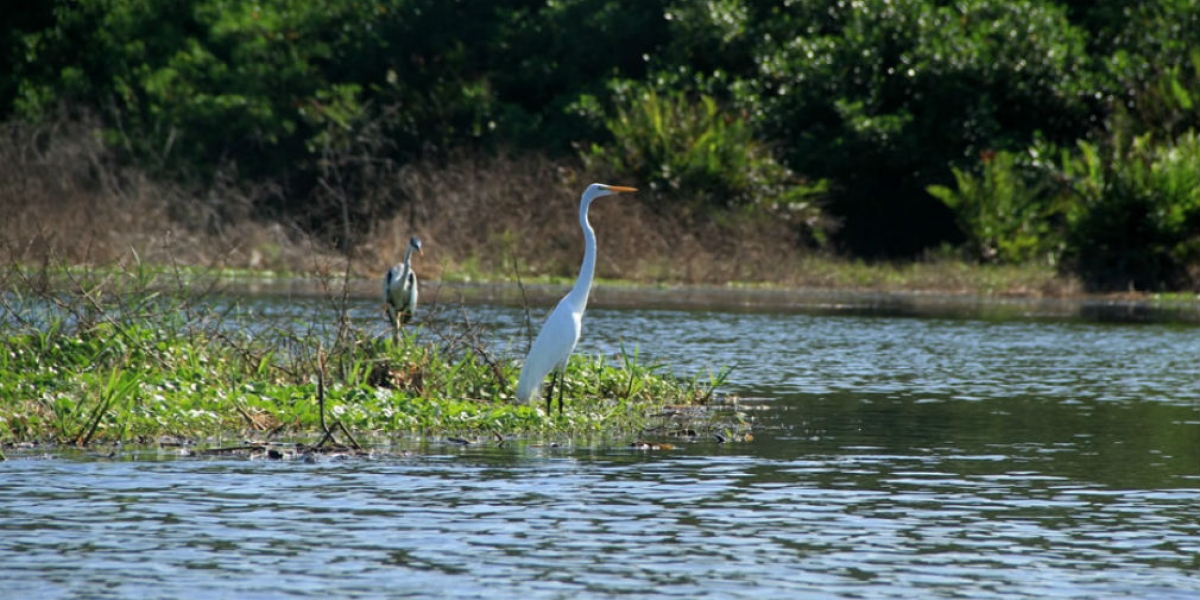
[142,356]
[67,198]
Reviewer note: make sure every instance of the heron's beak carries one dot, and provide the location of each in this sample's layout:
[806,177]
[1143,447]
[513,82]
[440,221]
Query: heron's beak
[621,188]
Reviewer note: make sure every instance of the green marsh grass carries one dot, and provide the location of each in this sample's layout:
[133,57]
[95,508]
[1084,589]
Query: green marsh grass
[136,355]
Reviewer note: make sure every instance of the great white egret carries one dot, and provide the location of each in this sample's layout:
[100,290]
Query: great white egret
[560,333]
[400,290]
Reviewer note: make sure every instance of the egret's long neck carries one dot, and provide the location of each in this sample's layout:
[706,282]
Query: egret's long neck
[583,285]
[408,256]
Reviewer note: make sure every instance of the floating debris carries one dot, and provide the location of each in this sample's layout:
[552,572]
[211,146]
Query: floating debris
[644,445]
[246,448]
[724,438]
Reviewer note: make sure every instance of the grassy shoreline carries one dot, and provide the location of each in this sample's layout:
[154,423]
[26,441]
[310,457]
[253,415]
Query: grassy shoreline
[809,272]
[110,357]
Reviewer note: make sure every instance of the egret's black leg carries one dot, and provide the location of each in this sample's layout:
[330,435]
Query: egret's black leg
[561,384]
[550,393]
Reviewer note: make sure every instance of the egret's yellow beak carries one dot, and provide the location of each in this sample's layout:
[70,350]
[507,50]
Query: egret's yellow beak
[621,188]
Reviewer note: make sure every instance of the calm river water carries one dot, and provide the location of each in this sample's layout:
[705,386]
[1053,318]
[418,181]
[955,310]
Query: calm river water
[1027,456]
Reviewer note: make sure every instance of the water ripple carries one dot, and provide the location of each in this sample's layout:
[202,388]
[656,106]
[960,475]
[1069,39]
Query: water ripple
[516,523]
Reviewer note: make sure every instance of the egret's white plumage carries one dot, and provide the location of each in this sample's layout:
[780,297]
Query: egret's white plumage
[400,289]
[560,333]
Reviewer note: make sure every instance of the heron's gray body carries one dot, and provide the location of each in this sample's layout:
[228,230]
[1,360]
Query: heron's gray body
[400,289]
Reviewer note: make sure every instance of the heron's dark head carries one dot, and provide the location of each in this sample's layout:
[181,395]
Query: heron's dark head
[415,243]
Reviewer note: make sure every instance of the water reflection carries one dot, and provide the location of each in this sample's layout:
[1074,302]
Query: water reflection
[757,300]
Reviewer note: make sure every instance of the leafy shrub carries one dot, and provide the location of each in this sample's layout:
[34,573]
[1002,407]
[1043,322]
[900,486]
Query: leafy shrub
[700,157]
[1008,214]
[1137,222]
[1164,104]
[1138,42]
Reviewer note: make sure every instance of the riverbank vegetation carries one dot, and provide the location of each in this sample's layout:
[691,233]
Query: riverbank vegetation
[1054,135]
[138,356]
[486,219]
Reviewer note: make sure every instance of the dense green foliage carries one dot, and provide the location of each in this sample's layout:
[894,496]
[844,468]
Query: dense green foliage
[690,156]
[1137,220]
[714,103]
[1006,216]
